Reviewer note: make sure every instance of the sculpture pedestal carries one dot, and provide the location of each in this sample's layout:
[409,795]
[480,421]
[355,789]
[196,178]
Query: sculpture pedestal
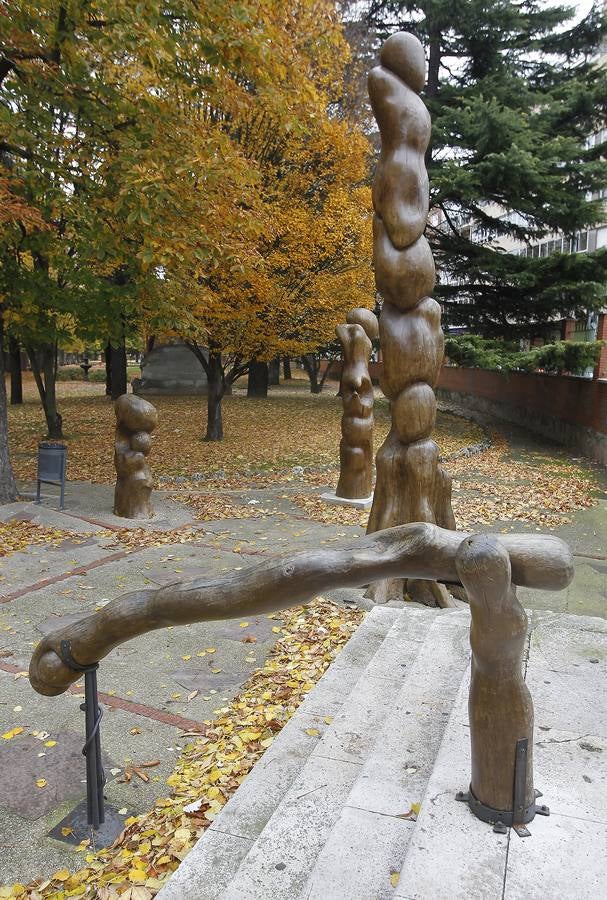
[331,497]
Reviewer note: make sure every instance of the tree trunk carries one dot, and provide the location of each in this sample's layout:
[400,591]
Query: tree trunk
[258,379]
[16,381]
[311,363]
[286,368]
[118,371]
[217,386]
[44,368]
[274,371]
[108,369]
[8,488]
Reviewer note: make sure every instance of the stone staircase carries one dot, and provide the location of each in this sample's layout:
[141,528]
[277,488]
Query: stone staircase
[310,799]
[363,808]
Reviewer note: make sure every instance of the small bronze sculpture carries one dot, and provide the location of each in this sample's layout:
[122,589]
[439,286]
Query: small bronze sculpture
[135,421]
[410,484]
[500,707]
[356,445]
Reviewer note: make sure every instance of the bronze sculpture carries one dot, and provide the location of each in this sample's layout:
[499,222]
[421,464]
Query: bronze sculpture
[419,550]
[500,707]
[410,484]
[356,445]
[135,421]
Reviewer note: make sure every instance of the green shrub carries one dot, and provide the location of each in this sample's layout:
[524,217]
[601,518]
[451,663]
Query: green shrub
[473,351]
[70,373]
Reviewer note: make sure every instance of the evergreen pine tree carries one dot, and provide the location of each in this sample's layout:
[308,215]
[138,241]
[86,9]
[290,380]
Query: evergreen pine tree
[515,91]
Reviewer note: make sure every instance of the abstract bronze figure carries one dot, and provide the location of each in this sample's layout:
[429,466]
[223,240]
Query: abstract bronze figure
[135,421]
[500,707]
[417,550]
[356,445]
[410,484]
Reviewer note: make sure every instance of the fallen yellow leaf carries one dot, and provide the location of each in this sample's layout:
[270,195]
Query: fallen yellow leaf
[62,874]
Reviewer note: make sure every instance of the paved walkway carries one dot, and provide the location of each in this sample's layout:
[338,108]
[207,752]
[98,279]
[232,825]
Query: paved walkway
[160,686]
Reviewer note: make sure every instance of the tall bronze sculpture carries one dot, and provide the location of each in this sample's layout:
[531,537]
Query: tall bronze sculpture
[135,421]
[410,484]
[356,445]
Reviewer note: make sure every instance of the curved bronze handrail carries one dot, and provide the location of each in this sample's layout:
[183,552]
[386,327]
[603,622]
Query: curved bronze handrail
[418,550]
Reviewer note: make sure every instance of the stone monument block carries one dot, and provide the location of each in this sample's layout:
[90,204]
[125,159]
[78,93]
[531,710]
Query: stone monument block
[170,369]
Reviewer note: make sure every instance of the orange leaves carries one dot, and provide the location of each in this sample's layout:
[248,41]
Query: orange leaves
[17,534]
[212,766]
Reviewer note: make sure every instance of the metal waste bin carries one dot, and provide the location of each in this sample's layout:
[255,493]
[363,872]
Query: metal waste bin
[52,462]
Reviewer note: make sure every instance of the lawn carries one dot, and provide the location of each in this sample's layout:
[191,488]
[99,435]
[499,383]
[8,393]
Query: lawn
[264,438]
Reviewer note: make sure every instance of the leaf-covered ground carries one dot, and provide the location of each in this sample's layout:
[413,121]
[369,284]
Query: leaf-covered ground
[494,486]
[264,439]
[211,766]
[18,534]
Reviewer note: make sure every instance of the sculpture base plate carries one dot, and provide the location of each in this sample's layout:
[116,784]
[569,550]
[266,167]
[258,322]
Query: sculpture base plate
[362,503]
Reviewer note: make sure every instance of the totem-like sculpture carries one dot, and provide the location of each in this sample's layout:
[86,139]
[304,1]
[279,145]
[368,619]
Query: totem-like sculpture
[410,484]
[135,421]
[356,445]
[500,707]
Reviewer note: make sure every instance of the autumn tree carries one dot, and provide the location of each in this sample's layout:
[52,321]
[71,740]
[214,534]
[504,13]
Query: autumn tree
[295,249]
[177,167]
[514,93]
[109,142]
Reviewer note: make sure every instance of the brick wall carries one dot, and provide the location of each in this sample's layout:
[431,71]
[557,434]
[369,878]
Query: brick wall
[570,410]
[566,409]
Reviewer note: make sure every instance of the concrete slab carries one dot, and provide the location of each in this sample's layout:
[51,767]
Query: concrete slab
[40,514]
[566,672]
[281,859]
[451,854]
[564,857]
[329,694]
[355,727]
[364,853]
[96,501]
[396,772]
[249,810]
[25,760]
[571,770]
[205,876]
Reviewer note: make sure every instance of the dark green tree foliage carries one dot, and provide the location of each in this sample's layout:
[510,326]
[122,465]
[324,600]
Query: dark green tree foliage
[514,92]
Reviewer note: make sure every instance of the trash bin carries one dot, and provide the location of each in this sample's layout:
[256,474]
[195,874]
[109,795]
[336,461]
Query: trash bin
[52,461]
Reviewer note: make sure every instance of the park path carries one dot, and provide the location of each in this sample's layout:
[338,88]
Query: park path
[156,689]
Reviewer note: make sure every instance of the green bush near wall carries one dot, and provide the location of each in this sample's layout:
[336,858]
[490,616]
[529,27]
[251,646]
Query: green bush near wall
[473,351]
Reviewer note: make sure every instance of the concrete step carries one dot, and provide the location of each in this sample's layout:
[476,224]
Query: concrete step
[341,828]
[566,852]
[369,840]
[280,861]
[210,866]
